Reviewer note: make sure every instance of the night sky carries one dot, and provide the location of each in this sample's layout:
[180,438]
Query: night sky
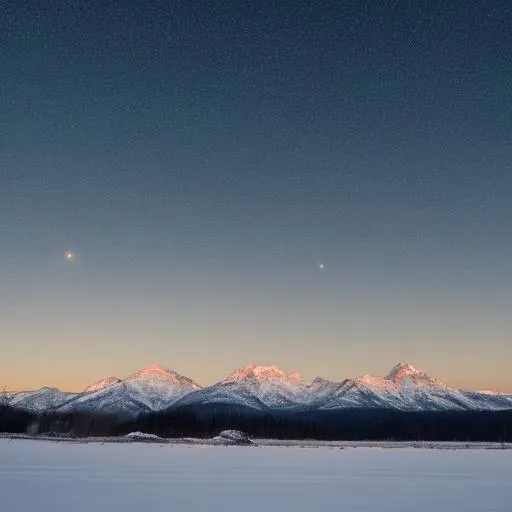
[203,159]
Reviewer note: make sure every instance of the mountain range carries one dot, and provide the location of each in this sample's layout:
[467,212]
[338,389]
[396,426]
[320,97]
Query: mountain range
[260,388]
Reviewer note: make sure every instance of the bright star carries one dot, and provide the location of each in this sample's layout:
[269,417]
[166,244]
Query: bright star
[69,255]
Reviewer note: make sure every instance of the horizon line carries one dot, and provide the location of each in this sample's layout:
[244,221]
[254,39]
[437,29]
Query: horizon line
[158,366]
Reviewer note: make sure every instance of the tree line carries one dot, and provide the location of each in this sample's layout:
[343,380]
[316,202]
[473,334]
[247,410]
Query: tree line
[206,422]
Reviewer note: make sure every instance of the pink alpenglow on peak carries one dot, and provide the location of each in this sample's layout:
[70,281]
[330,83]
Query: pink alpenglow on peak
[402,369]
[152,388]
[156,372]
[404,372]
[401,374]
[256,387]
[404,388]
[262,373]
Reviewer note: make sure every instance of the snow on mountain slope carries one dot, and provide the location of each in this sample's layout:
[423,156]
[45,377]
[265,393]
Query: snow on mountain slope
[149,389]
[490,402]
[103,383]
[262,373]
[40,400]
[221,393]
[114,399]
[261,387]
[271,385]
[403,372]
[406,388]
[254,386]
[157,387]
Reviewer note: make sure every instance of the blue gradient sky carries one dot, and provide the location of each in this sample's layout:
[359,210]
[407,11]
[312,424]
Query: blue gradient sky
[204,158]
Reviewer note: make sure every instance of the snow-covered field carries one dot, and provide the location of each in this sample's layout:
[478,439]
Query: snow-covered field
[50,476]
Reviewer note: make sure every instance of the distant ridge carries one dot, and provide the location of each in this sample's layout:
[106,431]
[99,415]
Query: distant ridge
[155,388]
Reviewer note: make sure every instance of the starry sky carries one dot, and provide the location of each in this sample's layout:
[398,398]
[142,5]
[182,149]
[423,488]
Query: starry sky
[202,160]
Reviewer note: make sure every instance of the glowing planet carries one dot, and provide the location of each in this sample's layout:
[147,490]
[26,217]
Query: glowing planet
[321,265]
[70,256]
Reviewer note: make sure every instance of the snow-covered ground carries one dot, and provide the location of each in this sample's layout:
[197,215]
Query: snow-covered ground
[127,477]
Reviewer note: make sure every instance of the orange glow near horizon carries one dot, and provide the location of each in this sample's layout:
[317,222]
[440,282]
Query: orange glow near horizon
[78,381]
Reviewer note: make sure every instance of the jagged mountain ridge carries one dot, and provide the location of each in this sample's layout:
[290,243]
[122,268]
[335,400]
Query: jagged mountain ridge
[155,388]
[152,388]
[253,386]
[40,400]
[404,388]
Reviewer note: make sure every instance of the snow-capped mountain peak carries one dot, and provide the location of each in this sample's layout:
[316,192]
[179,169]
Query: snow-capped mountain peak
[156,372]
[404,372]
[267,385]
[149,389]
[152,371]
[404,388]
[262,373]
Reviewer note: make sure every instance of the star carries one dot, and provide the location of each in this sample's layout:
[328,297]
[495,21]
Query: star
[70,256]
